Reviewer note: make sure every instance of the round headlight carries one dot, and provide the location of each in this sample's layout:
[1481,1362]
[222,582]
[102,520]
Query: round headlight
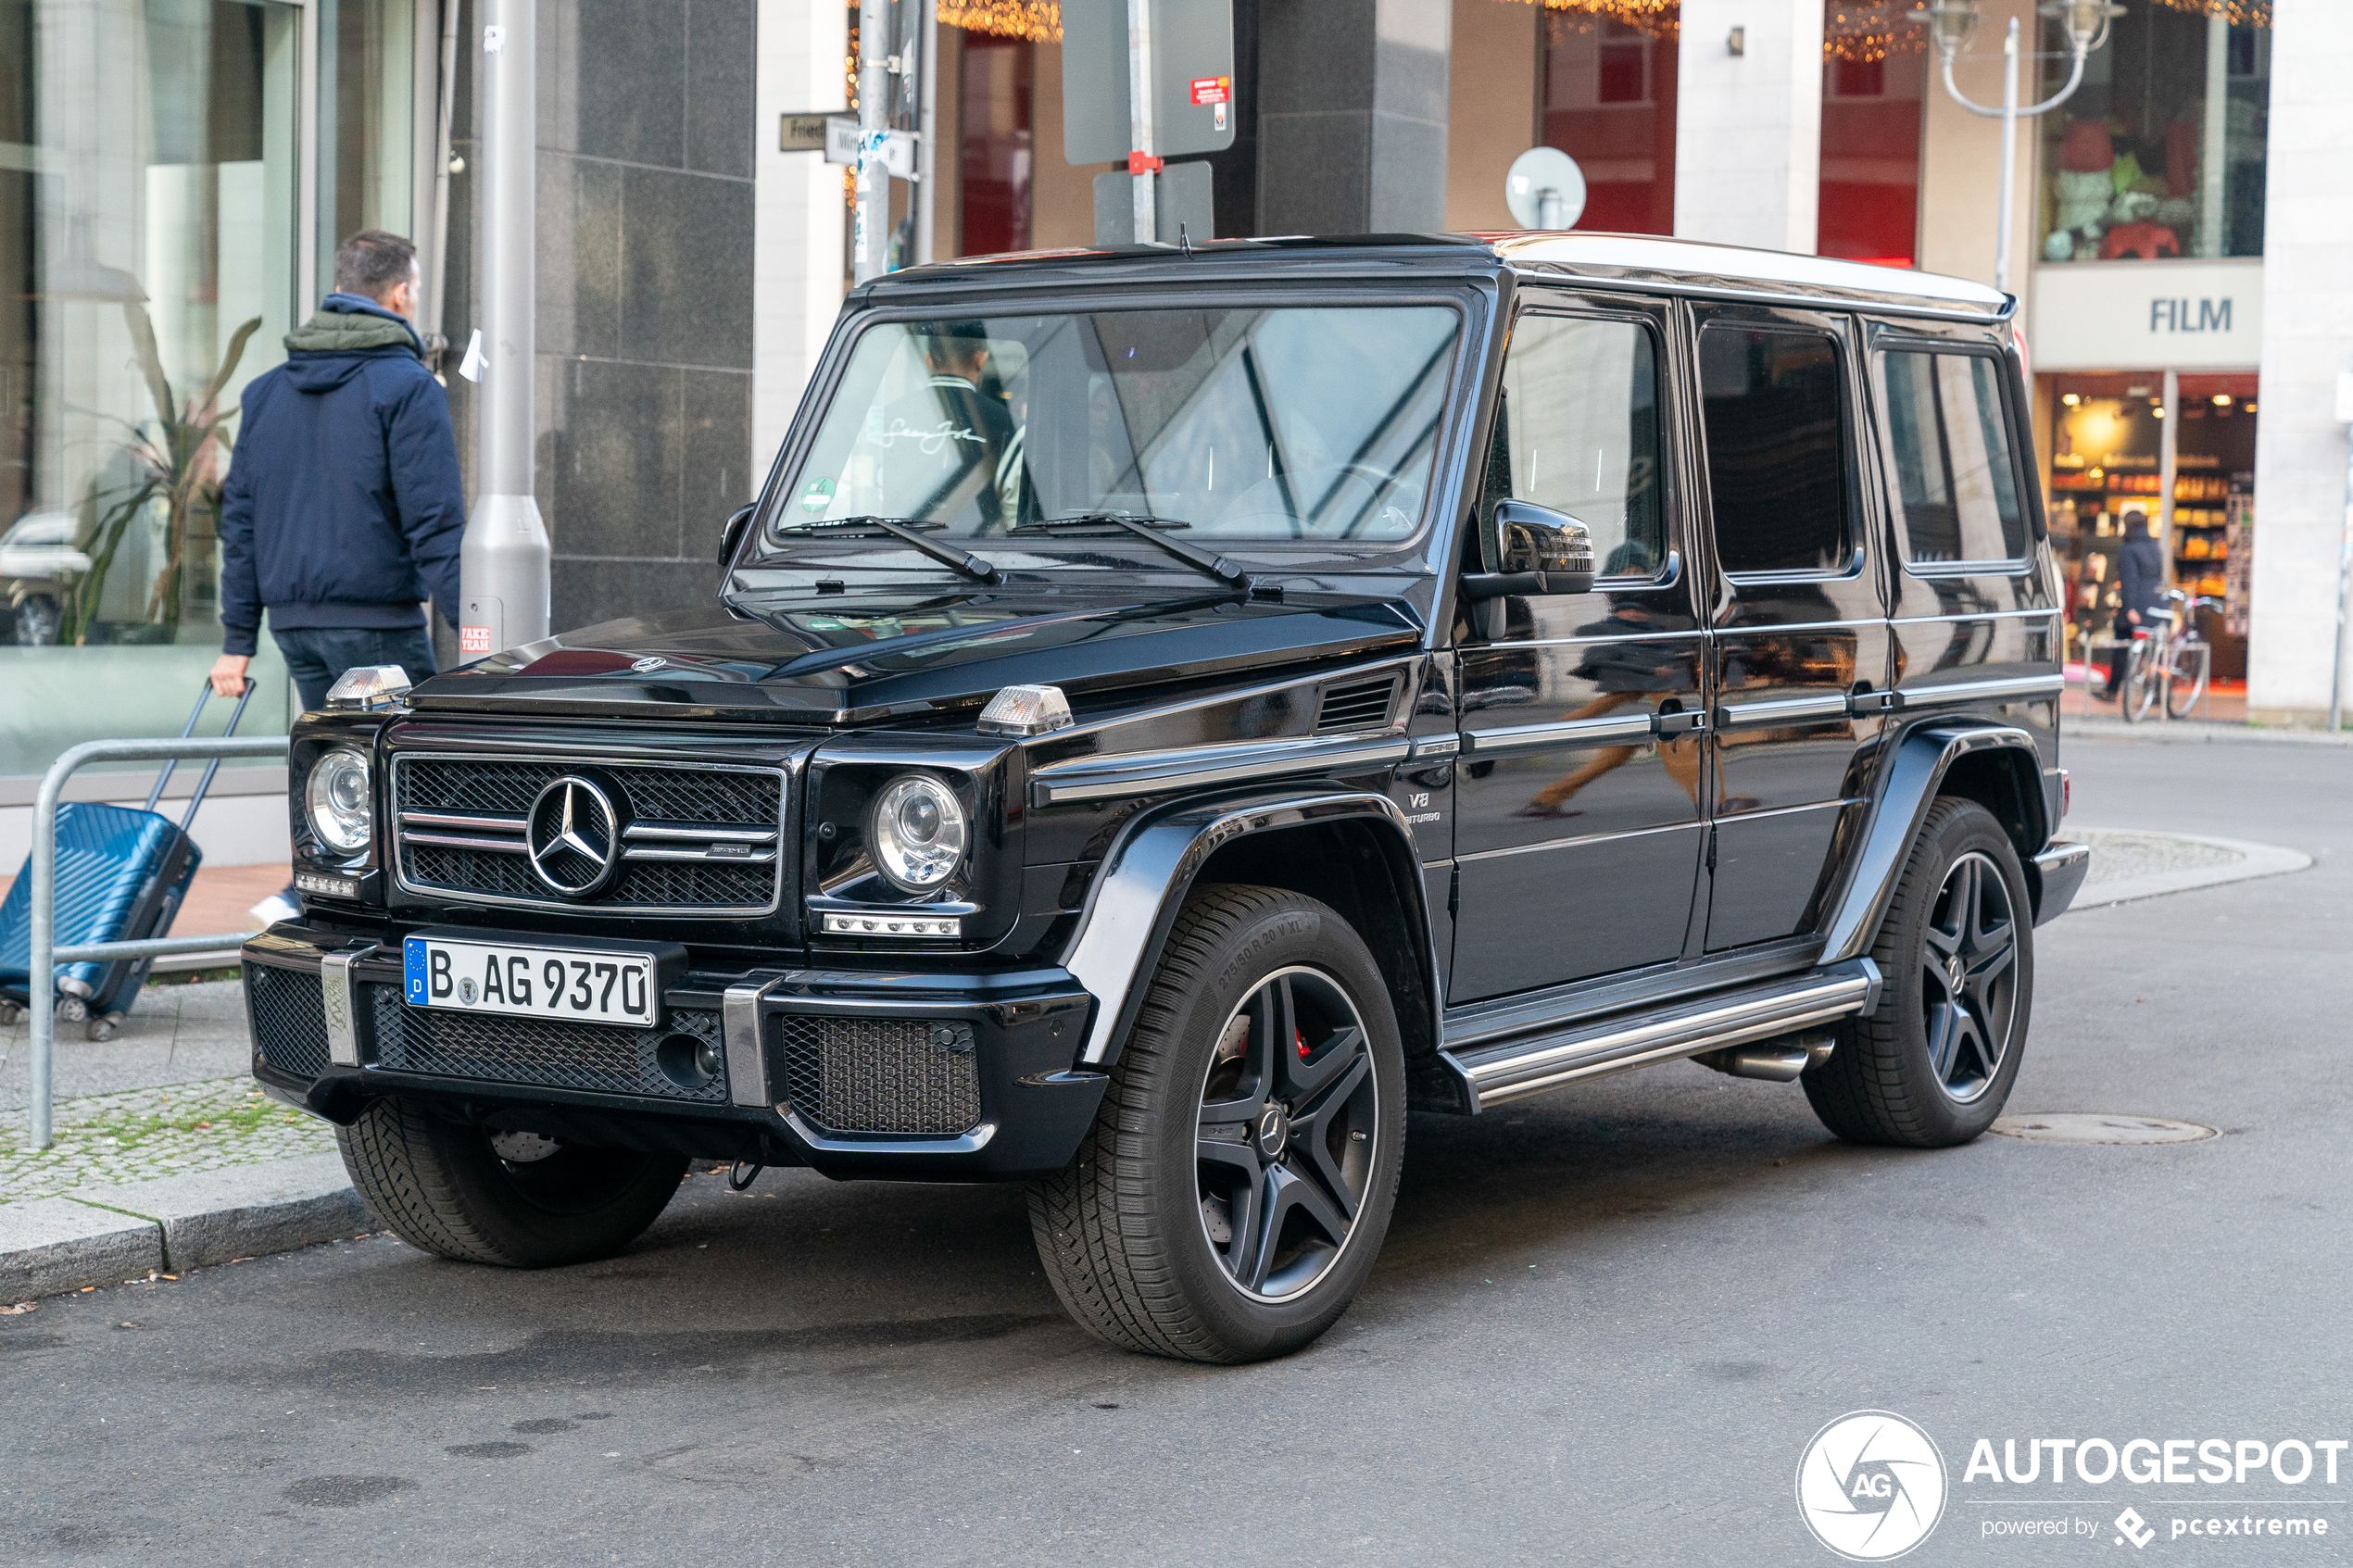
[337,796]
[918,832]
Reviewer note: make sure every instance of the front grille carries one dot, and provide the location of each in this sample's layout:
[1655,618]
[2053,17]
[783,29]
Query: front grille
[882,1074]
[289,1018]
[699,840]
[539,1052]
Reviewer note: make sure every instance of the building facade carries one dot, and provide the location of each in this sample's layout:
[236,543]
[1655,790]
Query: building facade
[175,175]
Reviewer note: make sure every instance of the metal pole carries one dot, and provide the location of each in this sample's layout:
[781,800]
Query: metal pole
[2009,159]
[437,269]
[870,240]
[927,138]
[2343,578]
[1140,161]
[502,567]
[41,981]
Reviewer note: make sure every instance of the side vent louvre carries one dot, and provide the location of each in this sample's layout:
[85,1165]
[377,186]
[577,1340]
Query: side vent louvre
[1361,705]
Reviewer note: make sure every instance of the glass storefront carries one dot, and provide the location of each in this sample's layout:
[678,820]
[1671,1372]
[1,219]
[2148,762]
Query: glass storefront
[2112,451]
[153,241]
[1609,103]
[2160,153]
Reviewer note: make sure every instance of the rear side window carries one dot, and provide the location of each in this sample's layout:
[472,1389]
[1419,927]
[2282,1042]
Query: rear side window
[1954,482]
[1577,429]
[1770,403]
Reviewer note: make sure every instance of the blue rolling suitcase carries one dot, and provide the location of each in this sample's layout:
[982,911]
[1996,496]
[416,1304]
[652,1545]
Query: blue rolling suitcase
[121,875]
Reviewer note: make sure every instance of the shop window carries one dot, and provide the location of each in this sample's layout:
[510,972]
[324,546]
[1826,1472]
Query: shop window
[1577,429]
[1776,448]
[1609,103]
[1955,481]
[1872,80]
[2160,153]
[149,235]
[993,148]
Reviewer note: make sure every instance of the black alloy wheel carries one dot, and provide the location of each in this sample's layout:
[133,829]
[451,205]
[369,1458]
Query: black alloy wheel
[1289,1111]
[1968,977]
[1232,1194]
[1931,1064]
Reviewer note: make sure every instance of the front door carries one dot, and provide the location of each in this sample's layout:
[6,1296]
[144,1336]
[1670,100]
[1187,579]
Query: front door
[1799,632]
[1578,824]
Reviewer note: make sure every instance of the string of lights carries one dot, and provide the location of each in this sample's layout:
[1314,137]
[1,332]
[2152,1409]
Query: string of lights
[1040,21]
[2238,13]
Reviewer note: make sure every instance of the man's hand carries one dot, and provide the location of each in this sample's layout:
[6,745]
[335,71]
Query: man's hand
[229,674]
[2132,616]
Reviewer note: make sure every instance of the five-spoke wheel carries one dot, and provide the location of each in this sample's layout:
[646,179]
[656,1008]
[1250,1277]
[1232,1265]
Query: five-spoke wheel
[1931,1064]
[1968,976]
[1289,1111]
[1234,1189]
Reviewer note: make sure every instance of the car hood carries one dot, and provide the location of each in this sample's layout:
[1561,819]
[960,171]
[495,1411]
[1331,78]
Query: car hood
[863,659]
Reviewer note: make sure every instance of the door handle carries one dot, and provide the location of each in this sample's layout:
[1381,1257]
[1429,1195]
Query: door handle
[1679,723]
[1864,704]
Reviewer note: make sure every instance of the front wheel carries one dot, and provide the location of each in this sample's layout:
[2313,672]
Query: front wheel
[1229,1200]
[517,1199]
[1932,1064]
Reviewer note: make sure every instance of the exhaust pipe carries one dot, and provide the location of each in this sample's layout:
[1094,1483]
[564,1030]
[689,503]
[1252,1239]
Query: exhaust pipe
[1778,1061]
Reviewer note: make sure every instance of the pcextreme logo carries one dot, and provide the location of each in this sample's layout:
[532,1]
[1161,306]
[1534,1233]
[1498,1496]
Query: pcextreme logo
[1870,1485]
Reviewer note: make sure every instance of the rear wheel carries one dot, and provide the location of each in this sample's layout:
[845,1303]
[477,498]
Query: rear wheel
[1228,1202]
[1932,1064]
[511,1198]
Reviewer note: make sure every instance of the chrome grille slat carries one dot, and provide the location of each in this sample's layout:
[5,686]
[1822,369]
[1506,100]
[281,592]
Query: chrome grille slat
[454,813]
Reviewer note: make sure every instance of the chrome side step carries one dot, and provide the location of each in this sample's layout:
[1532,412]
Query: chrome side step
[1491,1075]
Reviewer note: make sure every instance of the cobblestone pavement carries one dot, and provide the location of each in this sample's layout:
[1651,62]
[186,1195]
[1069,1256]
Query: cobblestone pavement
[139,1133]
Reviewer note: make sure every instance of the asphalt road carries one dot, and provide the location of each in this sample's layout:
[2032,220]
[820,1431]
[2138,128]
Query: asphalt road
[1606,1324]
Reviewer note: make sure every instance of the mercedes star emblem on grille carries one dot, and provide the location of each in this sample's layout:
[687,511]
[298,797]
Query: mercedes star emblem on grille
[575,836]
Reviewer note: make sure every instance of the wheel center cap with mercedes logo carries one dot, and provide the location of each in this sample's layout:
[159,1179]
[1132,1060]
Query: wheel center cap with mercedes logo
[573,835]
[1274,1130]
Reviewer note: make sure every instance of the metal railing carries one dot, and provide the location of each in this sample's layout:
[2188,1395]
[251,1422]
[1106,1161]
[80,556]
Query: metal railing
[41,986]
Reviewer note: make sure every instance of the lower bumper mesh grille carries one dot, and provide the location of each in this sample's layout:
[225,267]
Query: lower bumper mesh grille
[882,1075]
[289,1019]
[593,1057]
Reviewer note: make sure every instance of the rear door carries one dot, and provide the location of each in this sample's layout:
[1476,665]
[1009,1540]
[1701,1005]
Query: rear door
[1798,639]
[1578,826]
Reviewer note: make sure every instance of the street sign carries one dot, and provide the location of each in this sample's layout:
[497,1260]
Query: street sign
[1545,189]
[806,132]
[1192,67]
[1182,206]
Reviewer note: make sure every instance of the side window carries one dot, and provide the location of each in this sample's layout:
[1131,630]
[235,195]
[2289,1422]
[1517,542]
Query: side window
[1950,449]
[1577,429]
[1770,403]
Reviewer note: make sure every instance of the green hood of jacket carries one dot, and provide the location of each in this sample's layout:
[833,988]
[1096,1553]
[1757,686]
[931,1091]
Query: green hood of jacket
[335,331]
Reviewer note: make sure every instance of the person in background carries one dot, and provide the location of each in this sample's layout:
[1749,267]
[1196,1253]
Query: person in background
[2140,575]
[343,508]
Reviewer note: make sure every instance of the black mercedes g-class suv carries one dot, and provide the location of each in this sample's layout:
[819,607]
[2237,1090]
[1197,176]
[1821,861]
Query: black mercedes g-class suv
[1171,712]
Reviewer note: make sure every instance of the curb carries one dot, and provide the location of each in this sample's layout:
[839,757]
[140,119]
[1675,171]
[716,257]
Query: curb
[105,1235]
[2195,732]
[2255,861]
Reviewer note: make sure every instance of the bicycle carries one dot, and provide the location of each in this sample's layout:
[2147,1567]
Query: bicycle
[2171,664]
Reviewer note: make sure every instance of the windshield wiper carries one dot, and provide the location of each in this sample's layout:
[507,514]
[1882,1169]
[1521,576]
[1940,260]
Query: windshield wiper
[1202,560]
[971,566]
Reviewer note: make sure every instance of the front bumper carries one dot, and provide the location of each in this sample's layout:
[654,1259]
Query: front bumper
[871,1073]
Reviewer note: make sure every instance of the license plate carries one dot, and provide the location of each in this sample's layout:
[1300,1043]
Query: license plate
[602,986]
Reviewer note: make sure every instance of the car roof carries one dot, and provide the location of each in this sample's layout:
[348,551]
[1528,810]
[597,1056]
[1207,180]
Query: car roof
[1647,262]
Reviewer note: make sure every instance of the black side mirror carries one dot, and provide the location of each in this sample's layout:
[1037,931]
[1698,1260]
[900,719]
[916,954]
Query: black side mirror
[1544,552]
[733,535]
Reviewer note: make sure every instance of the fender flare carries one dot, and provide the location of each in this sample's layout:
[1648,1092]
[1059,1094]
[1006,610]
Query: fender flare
[1142,884]
[1922,758]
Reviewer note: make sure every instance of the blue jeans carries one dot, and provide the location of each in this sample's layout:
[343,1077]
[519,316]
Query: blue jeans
[316,656]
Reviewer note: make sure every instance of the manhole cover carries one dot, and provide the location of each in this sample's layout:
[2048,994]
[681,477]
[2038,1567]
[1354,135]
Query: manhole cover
[2099,1128]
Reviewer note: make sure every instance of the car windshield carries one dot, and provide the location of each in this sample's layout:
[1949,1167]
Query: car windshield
[1257,423]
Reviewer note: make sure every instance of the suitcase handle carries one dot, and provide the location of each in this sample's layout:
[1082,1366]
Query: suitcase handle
[204,695]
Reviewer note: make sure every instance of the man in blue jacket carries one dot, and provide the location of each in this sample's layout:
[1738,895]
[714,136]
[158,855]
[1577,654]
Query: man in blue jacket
[343,509]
